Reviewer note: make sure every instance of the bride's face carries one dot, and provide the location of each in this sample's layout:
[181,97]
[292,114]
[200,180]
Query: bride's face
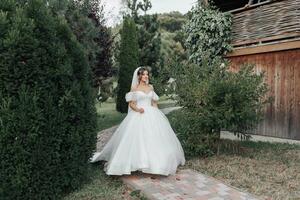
[145,76]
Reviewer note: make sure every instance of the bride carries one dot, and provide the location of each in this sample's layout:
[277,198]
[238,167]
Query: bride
[144,141]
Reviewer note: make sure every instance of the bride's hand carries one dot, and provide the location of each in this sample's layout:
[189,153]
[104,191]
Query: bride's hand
[141,110]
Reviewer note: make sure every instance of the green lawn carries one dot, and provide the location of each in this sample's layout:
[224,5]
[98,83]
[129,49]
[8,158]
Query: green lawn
[99,186]
[108,116]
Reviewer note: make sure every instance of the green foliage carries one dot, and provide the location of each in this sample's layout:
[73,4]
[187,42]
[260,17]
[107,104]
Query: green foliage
[173,38]
[244,95]
[208,33]
[83,28]
[134,6]
[165,82]
[189,131]
[145,6]
[218,99]
[128,61]
[172,21]
[47,113]
[149,41]
[213,97]
[86,19]
[172,45]
[222,99]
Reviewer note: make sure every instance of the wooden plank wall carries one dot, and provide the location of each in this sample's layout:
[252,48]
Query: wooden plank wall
[282,117]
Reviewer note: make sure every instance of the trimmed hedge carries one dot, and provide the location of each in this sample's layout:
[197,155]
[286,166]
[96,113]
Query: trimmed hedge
[47,113]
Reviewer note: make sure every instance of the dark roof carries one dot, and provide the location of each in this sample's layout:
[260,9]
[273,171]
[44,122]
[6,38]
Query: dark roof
[226,5]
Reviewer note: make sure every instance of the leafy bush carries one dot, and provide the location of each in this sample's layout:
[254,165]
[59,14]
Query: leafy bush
[217,99]
[188,129]
[208,33]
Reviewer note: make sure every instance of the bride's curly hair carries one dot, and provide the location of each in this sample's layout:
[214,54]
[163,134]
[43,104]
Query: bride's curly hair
[140,72]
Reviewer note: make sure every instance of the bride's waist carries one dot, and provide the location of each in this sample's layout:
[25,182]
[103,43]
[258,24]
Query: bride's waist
[147,107]
[144,105]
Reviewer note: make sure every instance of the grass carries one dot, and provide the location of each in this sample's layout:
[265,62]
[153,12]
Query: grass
[99,186]
[262,168]
[108,116]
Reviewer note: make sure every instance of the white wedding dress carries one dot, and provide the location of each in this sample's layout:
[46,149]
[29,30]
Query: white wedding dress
[143,141]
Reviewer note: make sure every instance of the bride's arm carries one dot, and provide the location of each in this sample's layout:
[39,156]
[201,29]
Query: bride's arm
[153,102]
[132,103]
[133,106]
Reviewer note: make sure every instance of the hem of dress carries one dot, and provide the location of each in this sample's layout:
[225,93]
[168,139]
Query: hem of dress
[144,170]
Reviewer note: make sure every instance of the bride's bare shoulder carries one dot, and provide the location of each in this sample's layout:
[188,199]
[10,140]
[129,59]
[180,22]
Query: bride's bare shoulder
[151,86]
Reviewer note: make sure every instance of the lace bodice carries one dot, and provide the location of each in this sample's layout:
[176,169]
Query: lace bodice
[141,98]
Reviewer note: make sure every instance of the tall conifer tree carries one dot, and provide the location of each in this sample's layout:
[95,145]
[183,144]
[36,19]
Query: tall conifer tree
[128,61]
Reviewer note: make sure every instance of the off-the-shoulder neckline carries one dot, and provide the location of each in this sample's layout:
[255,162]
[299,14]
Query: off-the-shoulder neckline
[143,91]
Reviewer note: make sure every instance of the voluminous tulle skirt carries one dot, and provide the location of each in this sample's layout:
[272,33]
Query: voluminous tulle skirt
[144,142]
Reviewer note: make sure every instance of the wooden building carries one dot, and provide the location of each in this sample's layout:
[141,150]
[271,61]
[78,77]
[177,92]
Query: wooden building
[267,34]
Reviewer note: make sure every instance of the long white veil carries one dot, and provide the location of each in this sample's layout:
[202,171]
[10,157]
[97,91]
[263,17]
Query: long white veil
[134,82]
[135,79]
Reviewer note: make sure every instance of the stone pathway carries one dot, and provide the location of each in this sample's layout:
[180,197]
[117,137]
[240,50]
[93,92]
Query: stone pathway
[185,185]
